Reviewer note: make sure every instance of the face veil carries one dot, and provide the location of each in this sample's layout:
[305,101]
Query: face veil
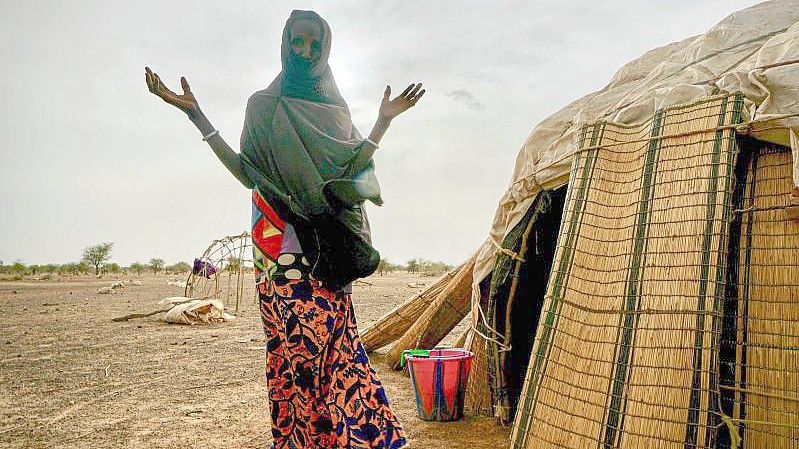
[308,80]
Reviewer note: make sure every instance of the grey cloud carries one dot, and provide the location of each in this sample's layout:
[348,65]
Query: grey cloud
[466,97]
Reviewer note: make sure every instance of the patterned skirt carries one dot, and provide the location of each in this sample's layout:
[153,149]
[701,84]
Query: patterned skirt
[322,391]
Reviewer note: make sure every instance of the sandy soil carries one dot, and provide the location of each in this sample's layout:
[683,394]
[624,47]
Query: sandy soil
[70,377]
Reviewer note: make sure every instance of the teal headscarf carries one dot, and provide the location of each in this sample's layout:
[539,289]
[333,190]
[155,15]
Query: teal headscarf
[298,138]
[298,147]
[306,80]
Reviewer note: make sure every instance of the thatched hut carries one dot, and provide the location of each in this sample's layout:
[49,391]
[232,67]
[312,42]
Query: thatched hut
[640,283]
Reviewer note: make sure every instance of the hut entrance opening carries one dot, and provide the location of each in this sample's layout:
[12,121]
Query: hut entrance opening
[525,305]
[518,293]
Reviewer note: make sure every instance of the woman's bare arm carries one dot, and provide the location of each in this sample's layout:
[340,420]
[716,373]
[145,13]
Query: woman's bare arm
[389,109]
[188,104]
[229,157]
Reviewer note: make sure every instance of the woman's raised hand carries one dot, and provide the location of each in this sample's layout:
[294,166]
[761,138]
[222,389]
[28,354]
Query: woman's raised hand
[409,97]
[185,102]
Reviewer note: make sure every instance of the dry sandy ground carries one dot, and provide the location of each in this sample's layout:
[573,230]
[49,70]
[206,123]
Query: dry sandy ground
[70,377]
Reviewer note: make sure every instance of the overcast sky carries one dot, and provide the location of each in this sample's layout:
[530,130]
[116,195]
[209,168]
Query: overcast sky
[89,155]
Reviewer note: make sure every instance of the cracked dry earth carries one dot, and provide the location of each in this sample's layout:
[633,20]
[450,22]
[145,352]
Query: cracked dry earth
[72,378]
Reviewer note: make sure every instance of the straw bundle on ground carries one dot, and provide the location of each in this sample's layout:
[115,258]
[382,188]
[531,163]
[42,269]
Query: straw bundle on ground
[445,312]
[624,352]
[396,322]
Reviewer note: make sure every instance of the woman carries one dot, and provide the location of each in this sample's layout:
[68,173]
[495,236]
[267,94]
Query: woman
[310,172]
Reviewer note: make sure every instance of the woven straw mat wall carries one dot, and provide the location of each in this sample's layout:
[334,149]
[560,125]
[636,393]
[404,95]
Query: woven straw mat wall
[627,350]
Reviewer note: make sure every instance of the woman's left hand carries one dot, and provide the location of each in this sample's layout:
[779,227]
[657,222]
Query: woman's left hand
[409,97]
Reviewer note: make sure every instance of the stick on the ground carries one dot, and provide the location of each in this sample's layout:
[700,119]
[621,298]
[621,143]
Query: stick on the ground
[220,384]
[9,429]
[85,434]
[130,316]
[252,440]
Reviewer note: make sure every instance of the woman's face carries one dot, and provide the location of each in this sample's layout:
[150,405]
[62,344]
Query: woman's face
[306,39]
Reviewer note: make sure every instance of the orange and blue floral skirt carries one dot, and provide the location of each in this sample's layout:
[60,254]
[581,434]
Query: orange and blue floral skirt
[322,391]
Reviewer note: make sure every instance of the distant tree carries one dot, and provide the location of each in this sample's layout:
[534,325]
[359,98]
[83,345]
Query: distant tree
[385,266]
[97,254]
[74,268]
[427,267]
[435,268]
[34,269]
[180,267]
[233,264]
[156,265]
[18,268]
[138,268]
[112,267]
[50,268]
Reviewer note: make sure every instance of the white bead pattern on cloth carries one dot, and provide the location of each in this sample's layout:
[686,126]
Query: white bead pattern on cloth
[286,259]
[293,274]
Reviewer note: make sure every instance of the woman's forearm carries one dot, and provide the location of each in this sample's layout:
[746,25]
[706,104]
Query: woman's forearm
[381,125]
[229,157]
[369,146]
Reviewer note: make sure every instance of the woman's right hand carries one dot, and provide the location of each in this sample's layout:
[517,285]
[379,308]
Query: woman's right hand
[186,102]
